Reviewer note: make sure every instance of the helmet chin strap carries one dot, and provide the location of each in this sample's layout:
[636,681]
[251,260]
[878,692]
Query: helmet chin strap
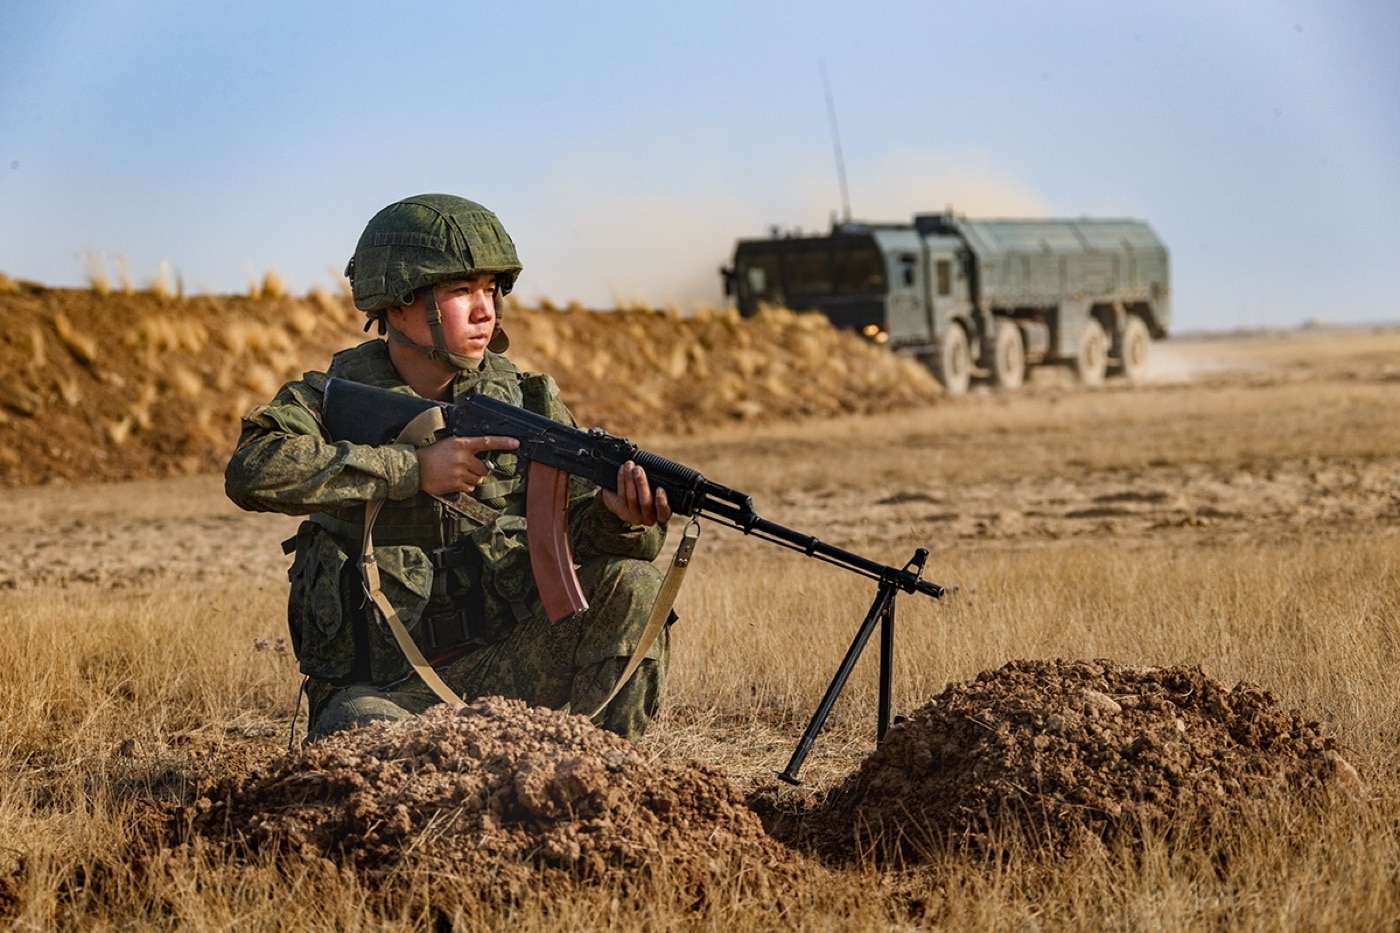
[438,352]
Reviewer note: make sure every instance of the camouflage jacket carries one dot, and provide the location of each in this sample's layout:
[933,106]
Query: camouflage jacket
[457,576]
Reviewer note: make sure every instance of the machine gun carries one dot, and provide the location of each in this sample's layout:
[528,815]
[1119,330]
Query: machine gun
[364,414]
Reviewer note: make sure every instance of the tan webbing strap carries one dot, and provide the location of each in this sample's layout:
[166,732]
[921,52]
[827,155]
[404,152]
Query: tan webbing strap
[660,610]
[418,432]
[422,430]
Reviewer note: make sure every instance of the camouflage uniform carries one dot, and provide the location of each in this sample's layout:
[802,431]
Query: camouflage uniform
[460,578]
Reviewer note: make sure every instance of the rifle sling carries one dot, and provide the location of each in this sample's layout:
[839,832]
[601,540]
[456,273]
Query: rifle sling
[660,610]
[420,429]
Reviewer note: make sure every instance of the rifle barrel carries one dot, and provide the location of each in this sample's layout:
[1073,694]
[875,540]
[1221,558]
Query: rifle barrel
[906,579]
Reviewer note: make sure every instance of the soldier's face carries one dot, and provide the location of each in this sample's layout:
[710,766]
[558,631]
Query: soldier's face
[468,308]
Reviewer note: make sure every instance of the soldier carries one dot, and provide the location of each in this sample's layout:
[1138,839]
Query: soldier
[430,272]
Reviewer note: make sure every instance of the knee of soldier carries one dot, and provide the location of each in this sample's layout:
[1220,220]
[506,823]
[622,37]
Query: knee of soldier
[623,582]
[351,707]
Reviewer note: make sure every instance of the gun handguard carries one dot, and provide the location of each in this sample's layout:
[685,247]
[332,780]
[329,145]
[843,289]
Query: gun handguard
[364,414]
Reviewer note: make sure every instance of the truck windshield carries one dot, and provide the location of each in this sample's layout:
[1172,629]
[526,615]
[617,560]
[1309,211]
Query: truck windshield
[859,269]
[807,271]
[799,270]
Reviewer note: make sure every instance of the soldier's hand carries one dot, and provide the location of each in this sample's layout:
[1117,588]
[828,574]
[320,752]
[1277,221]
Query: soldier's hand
[458,464]
[635,502]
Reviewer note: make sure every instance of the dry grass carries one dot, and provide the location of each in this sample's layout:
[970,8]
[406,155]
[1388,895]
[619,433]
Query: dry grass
[273,285]
[270,286]
[128,284]
[130,696]
[95,269]
[127,682]
[81,345]
[1242,513]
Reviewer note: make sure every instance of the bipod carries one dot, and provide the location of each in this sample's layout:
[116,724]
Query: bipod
[882,613]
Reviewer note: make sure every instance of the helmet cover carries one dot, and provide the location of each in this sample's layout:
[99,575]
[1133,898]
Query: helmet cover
[427,239]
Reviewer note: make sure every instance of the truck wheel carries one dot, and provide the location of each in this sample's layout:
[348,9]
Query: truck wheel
[1008,356]
[953,364]
[1133,349]
[1092,362]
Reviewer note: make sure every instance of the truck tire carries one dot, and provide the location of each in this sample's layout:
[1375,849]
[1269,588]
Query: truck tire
[1133,349]
[1092,362]
[1008,356]
[952,364]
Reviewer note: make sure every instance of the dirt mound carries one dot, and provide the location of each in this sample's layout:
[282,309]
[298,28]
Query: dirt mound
[510,795]
[1071,750]
[130,385]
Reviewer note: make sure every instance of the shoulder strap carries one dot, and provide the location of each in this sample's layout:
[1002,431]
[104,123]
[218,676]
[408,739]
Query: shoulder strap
[660,610]
[420,428]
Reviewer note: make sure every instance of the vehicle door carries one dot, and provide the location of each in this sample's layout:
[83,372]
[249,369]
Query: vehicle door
[949,287]
[905,273]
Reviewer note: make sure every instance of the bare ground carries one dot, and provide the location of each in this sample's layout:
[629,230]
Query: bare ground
[1068,749]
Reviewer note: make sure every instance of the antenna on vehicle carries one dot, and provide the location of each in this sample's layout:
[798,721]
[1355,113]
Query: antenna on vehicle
[836,144]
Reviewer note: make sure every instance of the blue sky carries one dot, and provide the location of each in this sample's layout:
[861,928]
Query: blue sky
[627,145]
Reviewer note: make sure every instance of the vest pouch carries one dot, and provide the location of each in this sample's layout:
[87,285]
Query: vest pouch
[507,580]
[406,578]
[322,634]
[540,393]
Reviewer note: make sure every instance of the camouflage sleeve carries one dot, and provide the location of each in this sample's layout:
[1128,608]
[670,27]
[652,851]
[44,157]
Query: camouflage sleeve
[284,463]
[596,531]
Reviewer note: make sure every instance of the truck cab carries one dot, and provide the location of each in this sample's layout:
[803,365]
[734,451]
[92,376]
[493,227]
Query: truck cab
[844,276]
[886,281]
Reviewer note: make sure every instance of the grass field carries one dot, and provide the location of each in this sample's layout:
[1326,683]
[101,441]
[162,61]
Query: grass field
[1242,513]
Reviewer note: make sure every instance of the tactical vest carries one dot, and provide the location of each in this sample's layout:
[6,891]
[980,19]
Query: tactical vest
[457,576]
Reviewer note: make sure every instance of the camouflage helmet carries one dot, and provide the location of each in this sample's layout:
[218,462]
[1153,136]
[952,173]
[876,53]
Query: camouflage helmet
[423,240]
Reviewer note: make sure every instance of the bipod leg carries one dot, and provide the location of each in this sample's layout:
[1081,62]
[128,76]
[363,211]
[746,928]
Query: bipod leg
[882,723]
[882,609]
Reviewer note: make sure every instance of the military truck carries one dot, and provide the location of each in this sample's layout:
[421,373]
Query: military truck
[983,299]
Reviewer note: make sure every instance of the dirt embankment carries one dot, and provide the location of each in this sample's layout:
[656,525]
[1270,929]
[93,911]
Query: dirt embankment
[100,387]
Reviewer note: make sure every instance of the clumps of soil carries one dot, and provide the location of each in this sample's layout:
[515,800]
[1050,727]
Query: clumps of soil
[498,794]
[1072,751]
